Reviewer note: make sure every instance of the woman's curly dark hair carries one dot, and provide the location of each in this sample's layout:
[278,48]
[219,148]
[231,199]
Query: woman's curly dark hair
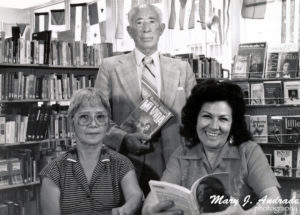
[212,90]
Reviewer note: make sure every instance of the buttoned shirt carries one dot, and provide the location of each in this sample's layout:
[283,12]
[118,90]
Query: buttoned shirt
[248,168]
[139,56]
[104,191]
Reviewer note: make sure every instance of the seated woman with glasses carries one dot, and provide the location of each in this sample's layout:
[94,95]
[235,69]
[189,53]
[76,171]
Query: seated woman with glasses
[91,178]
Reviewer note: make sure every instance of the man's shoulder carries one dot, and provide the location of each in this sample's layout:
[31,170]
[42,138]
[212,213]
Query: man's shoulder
[172,60]
[117,58]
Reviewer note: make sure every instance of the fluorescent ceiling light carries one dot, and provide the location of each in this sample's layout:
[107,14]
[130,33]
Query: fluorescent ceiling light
[21,4]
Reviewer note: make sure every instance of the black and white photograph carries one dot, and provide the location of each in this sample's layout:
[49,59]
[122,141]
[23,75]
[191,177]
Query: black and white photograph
[143,107]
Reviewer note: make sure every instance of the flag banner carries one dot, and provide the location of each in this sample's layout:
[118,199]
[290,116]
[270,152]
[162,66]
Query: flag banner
[41,22]
[120,18]
[103,31]
[57,23]
[97,20]
[94,35]
[289,21]
[101,10]
[93,13]
[78,21]
[254,9]
[172,18]
[58,17]
[22,27]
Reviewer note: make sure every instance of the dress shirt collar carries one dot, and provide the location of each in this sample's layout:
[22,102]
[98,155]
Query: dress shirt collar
[139,56]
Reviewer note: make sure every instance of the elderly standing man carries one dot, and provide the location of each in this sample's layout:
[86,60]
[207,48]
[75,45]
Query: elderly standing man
[127,79]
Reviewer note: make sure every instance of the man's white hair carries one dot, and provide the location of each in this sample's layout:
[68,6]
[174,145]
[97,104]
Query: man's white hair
[134,10]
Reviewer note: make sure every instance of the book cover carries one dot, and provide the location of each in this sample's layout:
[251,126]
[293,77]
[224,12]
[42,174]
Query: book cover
[257,55]
[15,171]
[2,129]
[259,128]
[291,129]
[188,199]
[3,208]
[282,61]
[288,65]
[273,92]
[241,67]
[291,92]
[150,115]
[275,129]
[272,65]
[4,172]
[257,94]
[283,162]
[44,37]
[245,86]
[247,120]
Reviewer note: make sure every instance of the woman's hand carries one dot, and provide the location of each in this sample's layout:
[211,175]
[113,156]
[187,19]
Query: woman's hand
[119,211]
[161,208]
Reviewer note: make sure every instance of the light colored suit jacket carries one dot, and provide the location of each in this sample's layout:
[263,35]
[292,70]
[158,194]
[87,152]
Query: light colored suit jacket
[118,80]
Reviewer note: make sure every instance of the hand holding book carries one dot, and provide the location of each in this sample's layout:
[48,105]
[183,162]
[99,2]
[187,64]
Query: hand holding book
[136,143]
[148,118]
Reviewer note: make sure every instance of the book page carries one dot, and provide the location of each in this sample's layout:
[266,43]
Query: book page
[181,196]
[222,176]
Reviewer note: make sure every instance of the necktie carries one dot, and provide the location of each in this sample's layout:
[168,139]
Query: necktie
[148,78]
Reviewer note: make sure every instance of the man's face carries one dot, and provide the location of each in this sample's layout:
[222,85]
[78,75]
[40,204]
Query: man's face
[145,30]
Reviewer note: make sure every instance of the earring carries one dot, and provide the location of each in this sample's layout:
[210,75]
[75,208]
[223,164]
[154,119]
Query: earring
[231,140]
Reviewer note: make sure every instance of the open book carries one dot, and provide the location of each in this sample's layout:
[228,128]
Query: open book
[149,116]
[189,201]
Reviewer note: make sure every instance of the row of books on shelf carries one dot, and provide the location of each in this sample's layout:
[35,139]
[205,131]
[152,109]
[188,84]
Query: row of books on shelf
[20,85]
[44,50]
[41,123]
[18,202]
[257,60]
[271,92]
[203,67]
[17,128]
[274,129]
[20,168]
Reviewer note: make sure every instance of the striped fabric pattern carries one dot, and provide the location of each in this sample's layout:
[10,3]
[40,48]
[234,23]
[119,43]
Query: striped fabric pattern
[148,78]
[104,191]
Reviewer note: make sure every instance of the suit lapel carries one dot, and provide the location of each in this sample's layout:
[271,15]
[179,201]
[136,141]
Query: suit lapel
[126,70]
[170,81]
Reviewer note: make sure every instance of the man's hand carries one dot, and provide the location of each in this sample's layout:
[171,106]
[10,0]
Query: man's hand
[162,208]
[136,143]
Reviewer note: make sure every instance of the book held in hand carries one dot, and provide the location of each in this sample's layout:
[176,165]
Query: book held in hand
[149,116]
[200,198]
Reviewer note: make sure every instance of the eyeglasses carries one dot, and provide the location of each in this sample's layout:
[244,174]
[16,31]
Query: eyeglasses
[85,119]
